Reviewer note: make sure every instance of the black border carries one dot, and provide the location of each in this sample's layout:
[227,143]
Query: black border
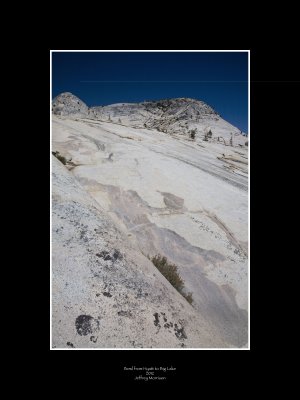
[268,94]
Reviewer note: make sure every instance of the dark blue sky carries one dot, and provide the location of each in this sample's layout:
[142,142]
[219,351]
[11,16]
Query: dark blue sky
[219,79]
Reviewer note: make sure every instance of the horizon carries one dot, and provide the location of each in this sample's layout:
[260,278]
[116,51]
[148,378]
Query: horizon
[219,79]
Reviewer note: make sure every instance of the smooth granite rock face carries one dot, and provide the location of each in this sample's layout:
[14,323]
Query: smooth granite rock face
[130,191]
[105,292]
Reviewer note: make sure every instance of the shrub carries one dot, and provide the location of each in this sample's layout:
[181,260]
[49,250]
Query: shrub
[60,157]
[170,272]
[193,133]
[188,297]
[207,135]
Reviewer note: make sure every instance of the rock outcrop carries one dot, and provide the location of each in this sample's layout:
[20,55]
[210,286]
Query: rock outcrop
[68,104]
[181,117]
[172,116]
[131,191]
[105,292]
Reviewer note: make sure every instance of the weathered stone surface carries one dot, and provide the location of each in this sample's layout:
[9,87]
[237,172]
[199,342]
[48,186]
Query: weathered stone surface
[161,193]
[105,302]
[68,104]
